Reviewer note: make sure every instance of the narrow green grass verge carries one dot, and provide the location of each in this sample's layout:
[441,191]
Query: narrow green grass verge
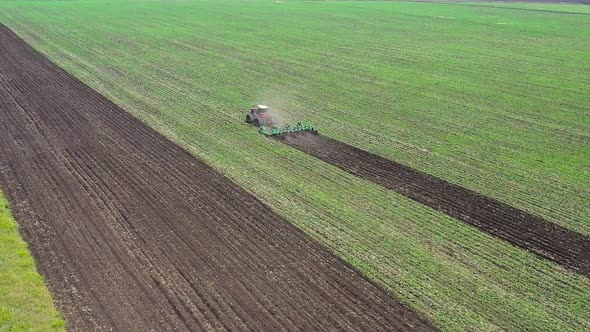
[25,301]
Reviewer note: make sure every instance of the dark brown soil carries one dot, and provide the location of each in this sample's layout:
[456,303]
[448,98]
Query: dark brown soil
[134,234]
[522,229]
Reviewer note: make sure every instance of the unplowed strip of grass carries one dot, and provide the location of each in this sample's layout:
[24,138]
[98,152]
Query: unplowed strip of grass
[550,241]
[133,233]
[25,301]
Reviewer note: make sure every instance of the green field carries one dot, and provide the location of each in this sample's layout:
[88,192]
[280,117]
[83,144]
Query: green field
[553,7]
[25,302]
[493,99]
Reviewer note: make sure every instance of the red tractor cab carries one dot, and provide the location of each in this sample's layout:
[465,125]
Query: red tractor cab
[259,116]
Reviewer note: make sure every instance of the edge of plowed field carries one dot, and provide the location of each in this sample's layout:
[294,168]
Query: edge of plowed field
[520,228]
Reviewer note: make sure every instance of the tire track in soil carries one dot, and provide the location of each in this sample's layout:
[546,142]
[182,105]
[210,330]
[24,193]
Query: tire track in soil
[522,229]
[134,234]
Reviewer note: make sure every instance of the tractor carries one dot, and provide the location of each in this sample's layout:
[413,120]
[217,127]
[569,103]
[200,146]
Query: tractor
[260,117]
[268,125]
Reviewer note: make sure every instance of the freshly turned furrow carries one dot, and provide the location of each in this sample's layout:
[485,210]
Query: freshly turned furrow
[133,233]
[522,229]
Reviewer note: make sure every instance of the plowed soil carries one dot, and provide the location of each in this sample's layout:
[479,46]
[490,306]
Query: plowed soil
[134,234]
[532,233]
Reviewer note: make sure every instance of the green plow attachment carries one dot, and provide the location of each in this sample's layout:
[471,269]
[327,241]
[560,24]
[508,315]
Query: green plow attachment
[300,127]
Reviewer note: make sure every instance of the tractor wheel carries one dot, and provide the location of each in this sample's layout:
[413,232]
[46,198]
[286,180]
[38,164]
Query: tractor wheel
[248,118]
[256,122]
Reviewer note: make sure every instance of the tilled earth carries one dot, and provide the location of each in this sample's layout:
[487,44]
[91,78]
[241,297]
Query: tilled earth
[134,234]
[532,233]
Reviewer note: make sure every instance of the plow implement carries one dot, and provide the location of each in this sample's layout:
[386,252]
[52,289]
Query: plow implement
[280,132]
